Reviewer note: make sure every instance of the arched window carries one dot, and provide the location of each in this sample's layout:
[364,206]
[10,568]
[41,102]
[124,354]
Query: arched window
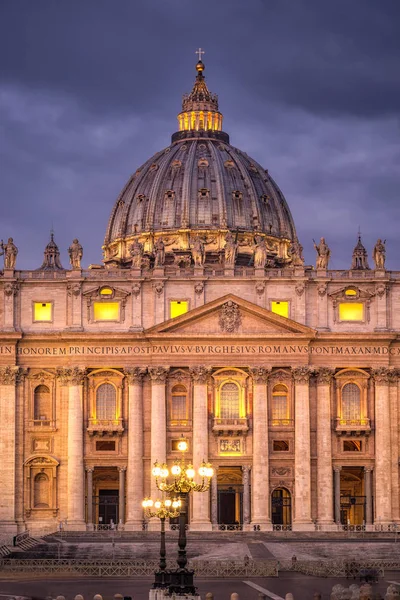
[280,405]
[41,403]
[106,402]
[41,491]
[351,402]
[178,403]
[230,401]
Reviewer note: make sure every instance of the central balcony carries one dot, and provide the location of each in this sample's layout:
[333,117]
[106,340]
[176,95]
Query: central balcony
[352,426]
[235,426]
[105,426]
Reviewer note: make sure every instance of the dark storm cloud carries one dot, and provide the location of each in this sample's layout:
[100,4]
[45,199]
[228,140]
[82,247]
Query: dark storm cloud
[89,90]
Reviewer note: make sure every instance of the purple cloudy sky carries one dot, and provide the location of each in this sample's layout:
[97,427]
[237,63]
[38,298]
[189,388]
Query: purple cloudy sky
[89,89]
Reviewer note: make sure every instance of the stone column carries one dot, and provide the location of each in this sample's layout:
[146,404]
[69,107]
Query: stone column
[337,494]
[368,495]
[302,464]
[324,448]
[135,477]
[158,420]
[89,483]
[121,508]
[246,495]
[260,470]
[200,500]
[8,379]
[214,499]
[383,479]
[73,377]
[394,437]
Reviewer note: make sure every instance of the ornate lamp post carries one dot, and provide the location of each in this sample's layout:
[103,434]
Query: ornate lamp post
[163,509]
[181,580]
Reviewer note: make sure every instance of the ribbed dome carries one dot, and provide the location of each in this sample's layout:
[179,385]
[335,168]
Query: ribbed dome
[200,185]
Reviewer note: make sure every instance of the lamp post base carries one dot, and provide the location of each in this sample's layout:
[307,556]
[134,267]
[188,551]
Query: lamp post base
[181,582]
[163,594]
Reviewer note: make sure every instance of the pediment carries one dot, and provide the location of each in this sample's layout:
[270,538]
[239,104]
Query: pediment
[230,316]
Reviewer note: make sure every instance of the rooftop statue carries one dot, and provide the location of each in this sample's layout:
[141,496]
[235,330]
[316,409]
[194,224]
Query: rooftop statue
[323,254]
[230,250]
[10,252]
[198,252]
[75,252]
[260,252]
[159,249]
[136,250]
[379,254]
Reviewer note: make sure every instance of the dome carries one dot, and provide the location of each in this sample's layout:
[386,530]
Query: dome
[200,185]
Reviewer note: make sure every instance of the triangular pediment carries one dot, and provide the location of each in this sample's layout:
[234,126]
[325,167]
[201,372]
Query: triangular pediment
[230,316]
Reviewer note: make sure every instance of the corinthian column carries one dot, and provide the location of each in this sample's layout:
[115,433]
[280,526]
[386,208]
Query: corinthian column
[158,420]
[73,377]
[260,470]
[383,479]
[302,465]
[135,474]
[8,380]
[200,501]
[324,447]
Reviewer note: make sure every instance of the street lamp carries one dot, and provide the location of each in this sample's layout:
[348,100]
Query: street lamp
[182,484]
[163,509]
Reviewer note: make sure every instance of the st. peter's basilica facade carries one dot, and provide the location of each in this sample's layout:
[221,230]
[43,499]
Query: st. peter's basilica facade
[202,322]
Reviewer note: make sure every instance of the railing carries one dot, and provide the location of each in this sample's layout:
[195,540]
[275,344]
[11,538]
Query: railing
[282,422]
[20,537]
[112,425]
[37,423]
[342,425]
[237,424]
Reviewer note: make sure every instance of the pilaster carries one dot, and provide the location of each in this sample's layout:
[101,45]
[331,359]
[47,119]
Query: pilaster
[200,501]
[246,496]
[89,496]
[137,306]
[260,470]
[324,447]
[383,471]
[394,438]
[302,465]
[336,472]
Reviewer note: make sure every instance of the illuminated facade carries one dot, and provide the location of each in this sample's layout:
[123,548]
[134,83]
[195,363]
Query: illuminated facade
[204,323]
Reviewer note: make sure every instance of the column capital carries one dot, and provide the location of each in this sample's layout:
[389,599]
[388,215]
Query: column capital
[260,374]
[122,469]
[301,374]
[368,469]
[337,469]
[200,374]
[381,375]
[89,469]
[135,375]
[324,375]
[11,375]
[158,374]
[71,375]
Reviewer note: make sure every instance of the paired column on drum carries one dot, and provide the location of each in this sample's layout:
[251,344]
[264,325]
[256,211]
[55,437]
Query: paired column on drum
[73,378]
[260,470]
[302,463]
[135,480]
[200,501]
[324,447]
[383,470]
[158,420]
[8,380]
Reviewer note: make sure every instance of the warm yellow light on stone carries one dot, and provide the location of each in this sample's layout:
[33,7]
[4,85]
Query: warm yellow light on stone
[106,311]
[351,311]
[42,311]
[178,307]
[106,291]
[350,292]
[280,308]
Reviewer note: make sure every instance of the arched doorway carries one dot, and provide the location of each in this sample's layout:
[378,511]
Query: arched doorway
[281,508]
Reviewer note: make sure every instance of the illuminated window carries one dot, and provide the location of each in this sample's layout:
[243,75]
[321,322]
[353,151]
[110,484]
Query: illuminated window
[106,292]
[351,311]
[42,311]
[106,402]
[230,401]
[280,405]
[178,307]
[280,308]
[106,311]
[352,446]
[41,403]
[280,446]
[351,292]
[178,403]
[351,402]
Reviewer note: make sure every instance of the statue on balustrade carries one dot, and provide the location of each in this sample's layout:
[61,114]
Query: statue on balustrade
[198,252]
[323,254]
[10,252]
[230,250]
[159,248]
[260,252]
[75,252]
[136,250]
[379,254]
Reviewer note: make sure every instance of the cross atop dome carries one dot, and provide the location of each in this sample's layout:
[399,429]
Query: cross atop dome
[200,52]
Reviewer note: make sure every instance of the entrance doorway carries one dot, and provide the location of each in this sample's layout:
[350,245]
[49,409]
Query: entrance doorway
[281,507]
[230,497]
[352,497]
[108,503]
[105,498]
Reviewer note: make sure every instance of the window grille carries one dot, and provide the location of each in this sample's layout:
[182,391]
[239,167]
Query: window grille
[279,403]
[106,401]
[351,402]
[178,404]
[230,401]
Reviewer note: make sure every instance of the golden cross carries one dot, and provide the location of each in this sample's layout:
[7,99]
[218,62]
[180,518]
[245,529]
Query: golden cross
[200,52]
